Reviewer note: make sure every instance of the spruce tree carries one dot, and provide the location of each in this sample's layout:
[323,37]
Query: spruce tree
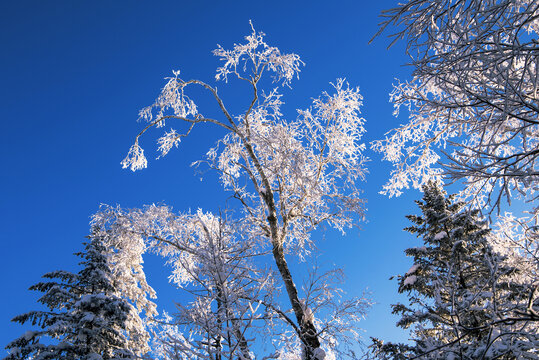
[85,319]
[462,296]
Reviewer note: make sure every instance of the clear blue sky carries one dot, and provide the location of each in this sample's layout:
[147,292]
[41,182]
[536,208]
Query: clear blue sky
[74,75]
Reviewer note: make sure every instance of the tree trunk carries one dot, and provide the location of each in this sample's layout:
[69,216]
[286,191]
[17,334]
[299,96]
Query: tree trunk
[308,332]
[244,348]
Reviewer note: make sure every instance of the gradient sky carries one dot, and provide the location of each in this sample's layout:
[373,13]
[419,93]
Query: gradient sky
[74,75]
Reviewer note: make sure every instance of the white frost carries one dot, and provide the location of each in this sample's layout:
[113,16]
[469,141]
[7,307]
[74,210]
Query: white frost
[410,280]
[440,235]
[413,269]
[319,354]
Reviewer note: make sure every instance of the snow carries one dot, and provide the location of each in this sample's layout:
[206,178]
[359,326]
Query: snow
[413,269]
[94,356]
[440,235]
[319,354]
[410,280]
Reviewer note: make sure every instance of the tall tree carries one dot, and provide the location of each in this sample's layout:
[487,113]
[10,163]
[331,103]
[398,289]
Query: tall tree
[85,319]
[472,99]
[289,176]
[465,299]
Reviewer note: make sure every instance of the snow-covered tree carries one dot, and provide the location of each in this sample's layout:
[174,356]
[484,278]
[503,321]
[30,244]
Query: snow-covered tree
[466,301]
[472,99]
[85,319]
[289,176]
[233,308]
[518,240]
[129,279]
[230,300]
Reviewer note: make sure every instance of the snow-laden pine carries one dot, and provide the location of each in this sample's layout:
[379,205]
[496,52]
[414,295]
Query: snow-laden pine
[466,300]
[85,318]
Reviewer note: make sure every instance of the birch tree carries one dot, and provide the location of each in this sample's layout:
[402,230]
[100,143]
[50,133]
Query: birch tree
[472,99]
[289,175]
[226,311]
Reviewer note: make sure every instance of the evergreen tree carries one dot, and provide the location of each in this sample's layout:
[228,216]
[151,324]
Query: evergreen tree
[85,319]
[463,296]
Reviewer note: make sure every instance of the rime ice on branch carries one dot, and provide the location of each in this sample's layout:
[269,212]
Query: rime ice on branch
[472,100]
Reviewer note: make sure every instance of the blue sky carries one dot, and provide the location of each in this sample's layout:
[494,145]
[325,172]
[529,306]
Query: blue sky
[75,74]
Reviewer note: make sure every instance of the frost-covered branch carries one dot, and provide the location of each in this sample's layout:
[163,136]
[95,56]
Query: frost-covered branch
[472,99]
